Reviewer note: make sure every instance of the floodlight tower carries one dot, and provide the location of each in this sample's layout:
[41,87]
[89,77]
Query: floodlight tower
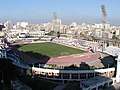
[56,23]
[55,15]
[104,14]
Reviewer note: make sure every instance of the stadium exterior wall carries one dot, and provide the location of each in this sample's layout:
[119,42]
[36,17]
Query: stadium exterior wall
[71,75]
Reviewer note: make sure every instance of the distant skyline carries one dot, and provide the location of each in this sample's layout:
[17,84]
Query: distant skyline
[40,11]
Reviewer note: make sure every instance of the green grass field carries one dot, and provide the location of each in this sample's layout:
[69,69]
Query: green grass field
[48,49]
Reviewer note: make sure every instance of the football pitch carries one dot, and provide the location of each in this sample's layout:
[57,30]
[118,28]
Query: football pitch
[48,49]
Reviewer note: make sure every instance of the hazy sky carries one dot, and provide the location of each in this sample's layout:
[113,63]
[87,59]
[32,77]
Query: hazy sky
[37,11]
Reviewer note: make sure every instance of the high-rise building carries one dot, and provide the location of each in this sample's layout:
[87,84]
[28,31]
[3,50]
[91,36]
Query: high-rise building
[22,25]
[8,25]
[1,32]
[56,25]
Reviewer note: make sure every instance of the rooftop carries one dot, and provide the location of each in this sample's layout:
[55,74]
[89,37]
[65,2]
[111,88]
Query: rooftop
[95,80]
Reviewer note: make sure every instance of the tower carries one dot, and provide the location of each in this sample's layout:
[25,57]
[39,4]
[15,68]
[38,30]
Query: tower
[104,15]
[103,30]
[55,15]
[56,24]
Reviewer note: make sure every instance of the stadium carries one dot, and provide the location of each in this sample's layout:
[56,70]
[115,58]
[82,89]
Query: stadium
[55,61]
[64,61]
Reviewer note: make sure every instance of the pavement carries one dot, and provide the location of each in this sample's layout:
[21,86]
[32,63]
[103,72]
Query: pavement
[114,87]
[60,87]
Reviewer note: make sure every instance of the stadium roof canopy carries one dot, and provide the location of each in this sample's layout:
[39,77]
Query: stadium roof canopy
[112,50]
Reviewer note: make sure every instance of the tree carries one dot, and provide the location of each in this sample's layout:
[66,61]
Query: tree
[8,70]
[58,34]
[114,37]
[50,33]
